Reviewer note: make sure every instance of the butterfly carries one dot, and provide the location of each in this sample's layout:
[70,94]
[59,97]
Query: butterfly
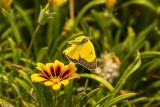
[81,51]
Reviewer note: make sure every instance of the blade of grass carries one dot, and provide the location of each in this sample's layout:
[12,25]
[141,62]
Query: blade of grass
[87,97]
[13,24]
[146,3]
[139,42]
[99,79]
[150,54]
[4,103]
[141,99]
[131,68]
[119,99]
[83,10]
[102,100]
[26,18]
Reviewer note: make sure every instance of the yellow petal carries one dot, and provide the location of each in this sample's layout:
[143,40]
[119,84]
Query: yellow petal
[7,3]
[64,82]
[75,75]
[50,68]
[40,66]
[43,68]
[48,83]
[71,66]
[58,66]
[68,70]
[38,77]
[56,62]
[56,86]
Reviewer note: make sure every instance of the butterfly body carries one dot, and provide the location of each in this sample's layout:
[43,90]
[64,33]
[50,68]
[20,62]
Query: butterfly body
[82,51]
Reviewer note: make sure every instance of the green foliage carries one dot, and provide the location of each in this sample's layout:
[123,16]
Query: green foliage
[131,27]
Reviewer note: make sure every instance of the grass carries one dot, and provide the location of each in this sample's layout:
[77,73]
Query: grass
[128,32]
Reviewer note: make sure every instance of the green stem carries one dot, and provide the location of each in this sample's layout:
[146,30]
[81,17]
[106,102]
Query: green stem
[33,37]
[55,100]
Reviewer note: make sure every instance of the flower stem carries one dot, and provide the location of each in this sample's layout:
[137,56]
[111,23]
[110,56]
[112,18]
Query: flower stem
[56,93]
[33,37]
[71,9]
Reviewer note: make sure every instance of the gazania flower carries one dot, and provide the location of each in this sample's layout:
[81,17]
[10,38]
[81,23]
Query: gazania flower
[55,74]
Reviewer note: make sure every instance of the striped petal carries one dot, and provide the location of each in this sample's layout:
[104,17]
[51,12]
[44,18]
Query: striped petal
[50,68]
[38,77]
[55,74]
[75,75]
[68,70]
[58,66]
[43,68]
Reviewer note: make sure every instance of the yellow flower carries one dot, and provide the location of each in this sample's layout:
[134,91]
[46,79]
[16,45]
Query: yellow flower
[7,3]
[110,3]
[56,2]
[55,74]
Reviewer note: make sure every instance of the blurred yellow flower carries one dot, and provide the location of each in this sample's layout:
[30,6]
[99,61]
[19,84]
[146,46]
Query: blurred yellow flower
[56,2]
[110,4]
[55,74]
[7,3]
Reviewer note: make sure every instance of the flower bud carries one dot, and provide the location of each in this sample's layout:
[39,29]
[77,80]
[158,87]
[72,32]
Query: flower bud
[110,4]
[7,3]
[56,2]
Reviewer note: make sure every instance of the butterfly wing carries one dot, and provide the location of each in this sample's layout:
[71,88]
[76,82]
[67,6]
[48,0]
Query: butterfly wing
[87,56]
[83,53]
[73,53]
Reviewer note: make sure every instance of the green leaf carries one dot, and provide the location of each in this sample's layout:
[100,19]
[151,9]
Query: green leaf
[87,97]
[26,18]
[17,89]
[130,69]
[102,100]
[150,54]
[119,99]
[41,54]
[146,3]
[99,79]
[26,104]
[13,24]
[23,84]
[136,100]
[83,10]
[138,43]
[4,103]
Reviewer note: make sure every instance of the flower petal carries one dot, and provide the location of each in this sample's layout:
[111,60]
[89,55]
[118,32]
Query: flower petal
[64,82]
[75,75]
[56,86]
[58,66]
[50,68]
[72,67]
[38,77]
[68,70]
[43,68]
[48,83]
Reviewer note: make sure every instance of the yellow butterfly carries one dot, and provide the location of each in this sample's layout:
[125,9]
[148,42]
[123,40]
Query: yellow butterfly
[82,51]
